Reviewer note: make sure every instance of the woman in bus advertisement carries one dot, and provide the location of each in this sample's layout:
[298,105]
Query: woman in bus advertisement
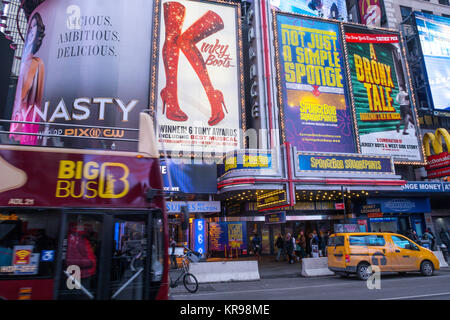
[31,85]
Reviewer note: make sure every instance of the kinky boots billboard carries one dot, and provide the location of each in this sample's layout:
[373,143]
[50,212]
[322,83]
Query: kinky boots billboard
[198,97]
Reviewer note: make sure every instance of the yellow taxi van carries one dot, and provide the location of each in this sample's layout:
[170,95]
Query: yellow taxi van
[354,253]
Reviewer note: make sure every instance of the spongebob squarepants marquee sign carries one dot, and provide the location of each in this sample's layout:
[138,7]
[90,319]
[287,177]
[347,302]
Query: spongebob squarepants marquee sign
[47,179]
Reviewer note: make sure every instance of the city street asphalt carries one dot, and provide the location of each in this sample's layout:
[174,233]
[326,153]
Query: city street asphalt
[411,286]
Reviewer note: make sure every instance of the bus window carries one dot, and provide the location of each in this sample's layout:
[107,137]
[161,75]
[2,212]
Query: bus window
[157,248]
[128,266]
[28,243]
[81,254]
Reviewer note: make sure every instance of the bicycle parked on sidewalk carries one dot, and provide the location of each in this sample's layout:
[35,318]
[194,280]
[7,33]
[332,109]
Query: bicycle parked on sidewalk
[189,280]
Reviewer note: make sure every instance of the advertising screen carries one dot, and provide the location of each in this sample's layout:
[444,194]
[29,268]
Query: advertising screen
[199,88]
[384,110]
[328,9]
[218,235]
[227,235]
[316,114]
[188,177]
[84,63]
[434,33]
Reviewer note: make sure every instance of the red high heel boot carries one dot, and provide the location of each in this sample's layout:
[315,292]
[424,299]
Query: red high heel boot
[174,14]
[205,26]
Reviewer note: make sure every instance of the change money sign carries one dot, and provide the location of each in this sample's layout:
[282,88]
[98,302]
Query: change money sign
[384,113]
[316,113]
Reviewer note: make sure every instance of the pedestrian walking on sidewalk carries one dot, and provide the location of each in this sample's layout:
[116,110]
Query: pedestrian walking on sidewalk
[315,241]
[431,237]
[308,245]
[289,248]
[298,248]
[173,258]
[302,242]
[445,238]
[280,245]
[428,239]
[256,242]
[325,238]
[413,236]
[295,256]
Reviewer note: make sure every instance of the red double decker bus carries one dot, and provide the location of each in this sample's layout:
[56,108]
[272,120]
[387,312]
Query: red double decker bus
[83,224]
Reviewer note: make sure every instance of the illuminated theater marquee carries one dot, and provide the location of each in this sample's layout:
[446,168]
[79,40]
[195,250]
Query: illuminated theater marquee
[339,163]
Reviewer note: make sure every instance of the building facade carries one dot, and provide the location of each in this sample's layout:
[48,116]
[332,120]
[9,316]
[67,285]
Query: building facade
[294,110]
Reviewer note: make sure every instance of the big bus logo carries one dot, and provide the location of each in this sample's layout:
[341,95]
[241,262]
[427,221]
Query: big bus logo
[79,179]
[22,257]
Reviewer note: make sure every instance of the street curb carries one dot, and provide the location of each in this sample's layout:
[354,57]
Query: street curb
[278,276]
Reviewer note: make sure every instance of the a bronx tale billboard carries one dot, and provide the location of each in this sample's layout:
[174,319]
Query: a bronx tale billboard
[86,63]
[384,108]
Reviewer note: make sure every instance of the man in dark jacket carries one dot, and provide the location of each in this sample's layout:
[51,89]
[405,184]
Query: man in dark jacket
[280,245]
[445,238]
[256,243]
[324,242]
[289,245]
[433,240]
[173,257]
[413,236]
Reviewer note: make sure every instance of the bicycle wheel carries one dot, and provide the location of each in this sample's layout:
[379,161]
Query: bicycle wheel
[186,265]
[190,282]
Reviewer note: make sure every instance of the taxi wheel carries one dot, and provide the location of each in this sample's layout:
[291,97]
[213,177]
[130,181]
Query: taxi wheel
[363,271]
[426,268]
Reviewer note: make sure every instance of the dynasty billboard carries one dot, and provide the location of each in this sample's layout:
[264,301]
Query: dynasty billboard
[199,89]
[328,9]
[315,112]
[384,109]
[435,38]
[83,63]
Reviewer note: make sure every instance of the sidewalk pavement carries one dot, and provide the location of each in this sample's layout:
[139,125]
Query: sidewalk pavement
[269,268]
